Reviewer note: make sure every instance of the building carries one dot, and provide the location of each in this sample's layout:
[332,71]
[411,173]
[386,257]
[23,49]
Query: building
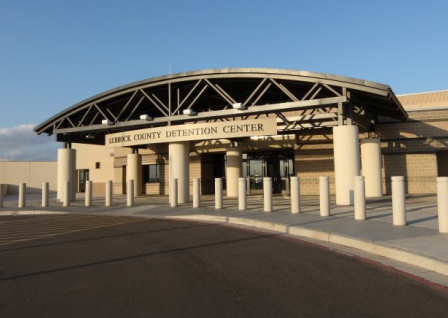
[254,123]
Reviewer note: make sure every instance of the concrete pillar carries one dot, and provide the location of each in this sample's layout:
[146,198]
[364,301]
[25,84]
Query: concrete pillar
[346,162]
[324,187]
[109,199]
[360,198]
[130,193]
[22,195]
[66,172]
[398,201]
[196,192]
[134,172]
[295,195]
[179,161]
[45,196]
[442,203]
[242,196]
[88,193]
[234,168]
[371,167]
[67,194]
[267,194]
[1,195]
[173,192]
[218,193]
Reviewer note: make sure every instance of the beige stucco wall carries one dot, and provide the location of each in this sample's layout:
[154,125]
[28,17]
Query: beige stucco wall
[33,173]
[86,158]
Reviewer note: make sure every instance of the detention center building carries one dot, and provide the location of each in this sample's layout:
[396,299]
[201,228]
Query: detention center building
[253,123]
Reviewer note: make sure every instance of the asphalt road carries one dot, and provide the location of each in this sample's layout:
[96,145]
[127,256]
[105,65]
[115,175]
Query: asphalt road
[98,266]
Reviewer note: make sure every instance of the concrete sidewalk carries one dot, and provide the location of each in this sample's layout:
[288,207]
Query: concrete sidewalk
[418,244]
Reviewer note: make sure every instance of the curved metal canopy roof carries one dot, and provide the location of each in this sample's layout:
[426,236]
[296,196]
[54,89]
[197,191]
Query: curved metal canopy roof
[299,99]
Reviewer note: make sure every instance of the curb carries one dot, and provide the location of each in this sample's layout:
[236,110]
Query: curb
[397,254]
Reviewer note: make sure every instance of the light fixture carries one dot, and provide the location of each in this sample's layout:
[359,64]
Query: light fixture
[90,136]
[145,117]
[189,112]
[106,122]
[238,106]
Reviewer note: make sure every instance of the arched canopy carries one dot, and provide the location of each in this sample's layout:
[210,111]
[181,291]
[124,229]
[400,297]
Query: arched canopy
[300,101]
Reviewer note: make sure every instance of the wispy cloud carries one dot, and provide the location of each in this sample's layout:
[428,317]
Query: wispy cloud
[22,144]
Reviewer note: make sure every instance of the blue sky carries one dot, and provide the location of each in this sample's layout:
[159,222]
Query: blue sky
[56,53]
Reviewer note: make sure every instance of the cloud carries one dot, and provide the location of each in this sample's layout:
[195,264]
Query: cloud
[21,143]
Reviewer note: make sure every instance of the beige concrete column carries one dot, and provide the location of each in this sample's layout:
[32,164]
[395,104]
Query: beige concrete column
[45,196]
[130,193]
[134,172]
[267,194]
[371,166]
[66,171]
[22,195]
[346,162]
[179,161]
[398,201]
[196,193]
[218,193]
[442,203]
[295,195]
[234,168]
[88,198]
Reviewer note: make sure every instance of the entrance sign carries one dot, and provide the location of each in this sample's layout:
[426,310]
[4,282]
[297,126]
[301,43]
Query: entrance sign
[203,131]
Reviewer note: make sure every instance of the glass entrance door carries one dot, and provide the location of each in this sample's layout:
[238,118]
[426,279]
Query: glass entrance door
[83,177]
[277,165]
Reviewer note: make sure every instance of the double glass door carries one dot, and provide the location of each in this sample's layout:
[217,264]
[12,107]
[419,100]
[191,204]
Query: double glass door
[277,165]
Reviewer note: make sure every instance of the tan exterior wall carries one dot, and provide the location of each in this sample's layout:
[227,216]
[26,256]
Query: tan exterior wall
[86,158]
[33,173]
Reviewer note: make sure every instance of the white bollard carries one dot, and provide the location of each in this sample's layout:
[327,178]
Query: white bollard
[360,198]
[173,193]
[324,186]
[67,194]
[1,195]
[130,193]
[196,193]
[218,193]
[398,201]
[88,196]
[45,198]
[109,199]
[242,197]
[267,194]
[295,194]
[22,195]
[442,203]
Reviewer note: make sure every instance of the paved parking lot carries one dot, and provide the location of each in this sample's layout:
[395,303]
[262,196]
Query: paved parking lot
[122,266]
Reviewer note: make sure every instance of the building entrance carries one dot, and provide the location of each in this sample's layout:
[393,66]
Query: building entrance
[277,165]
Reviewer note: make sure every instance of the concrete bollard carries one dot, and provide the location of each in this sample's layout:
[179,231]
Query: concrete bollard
[398,201]
[360,198]
[88,197]
[130,193]
[67,194]
[218,193]
[22,195]
[196,193]
[267,194]
[109,199]
[324,187]
[1,195]
[242,197]
[295,195]
[442,203]
[173,192]
[45,197]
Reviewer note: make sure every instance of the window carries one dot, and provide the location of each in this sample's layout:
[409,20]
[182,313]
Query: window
[151,173]
[97,165]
